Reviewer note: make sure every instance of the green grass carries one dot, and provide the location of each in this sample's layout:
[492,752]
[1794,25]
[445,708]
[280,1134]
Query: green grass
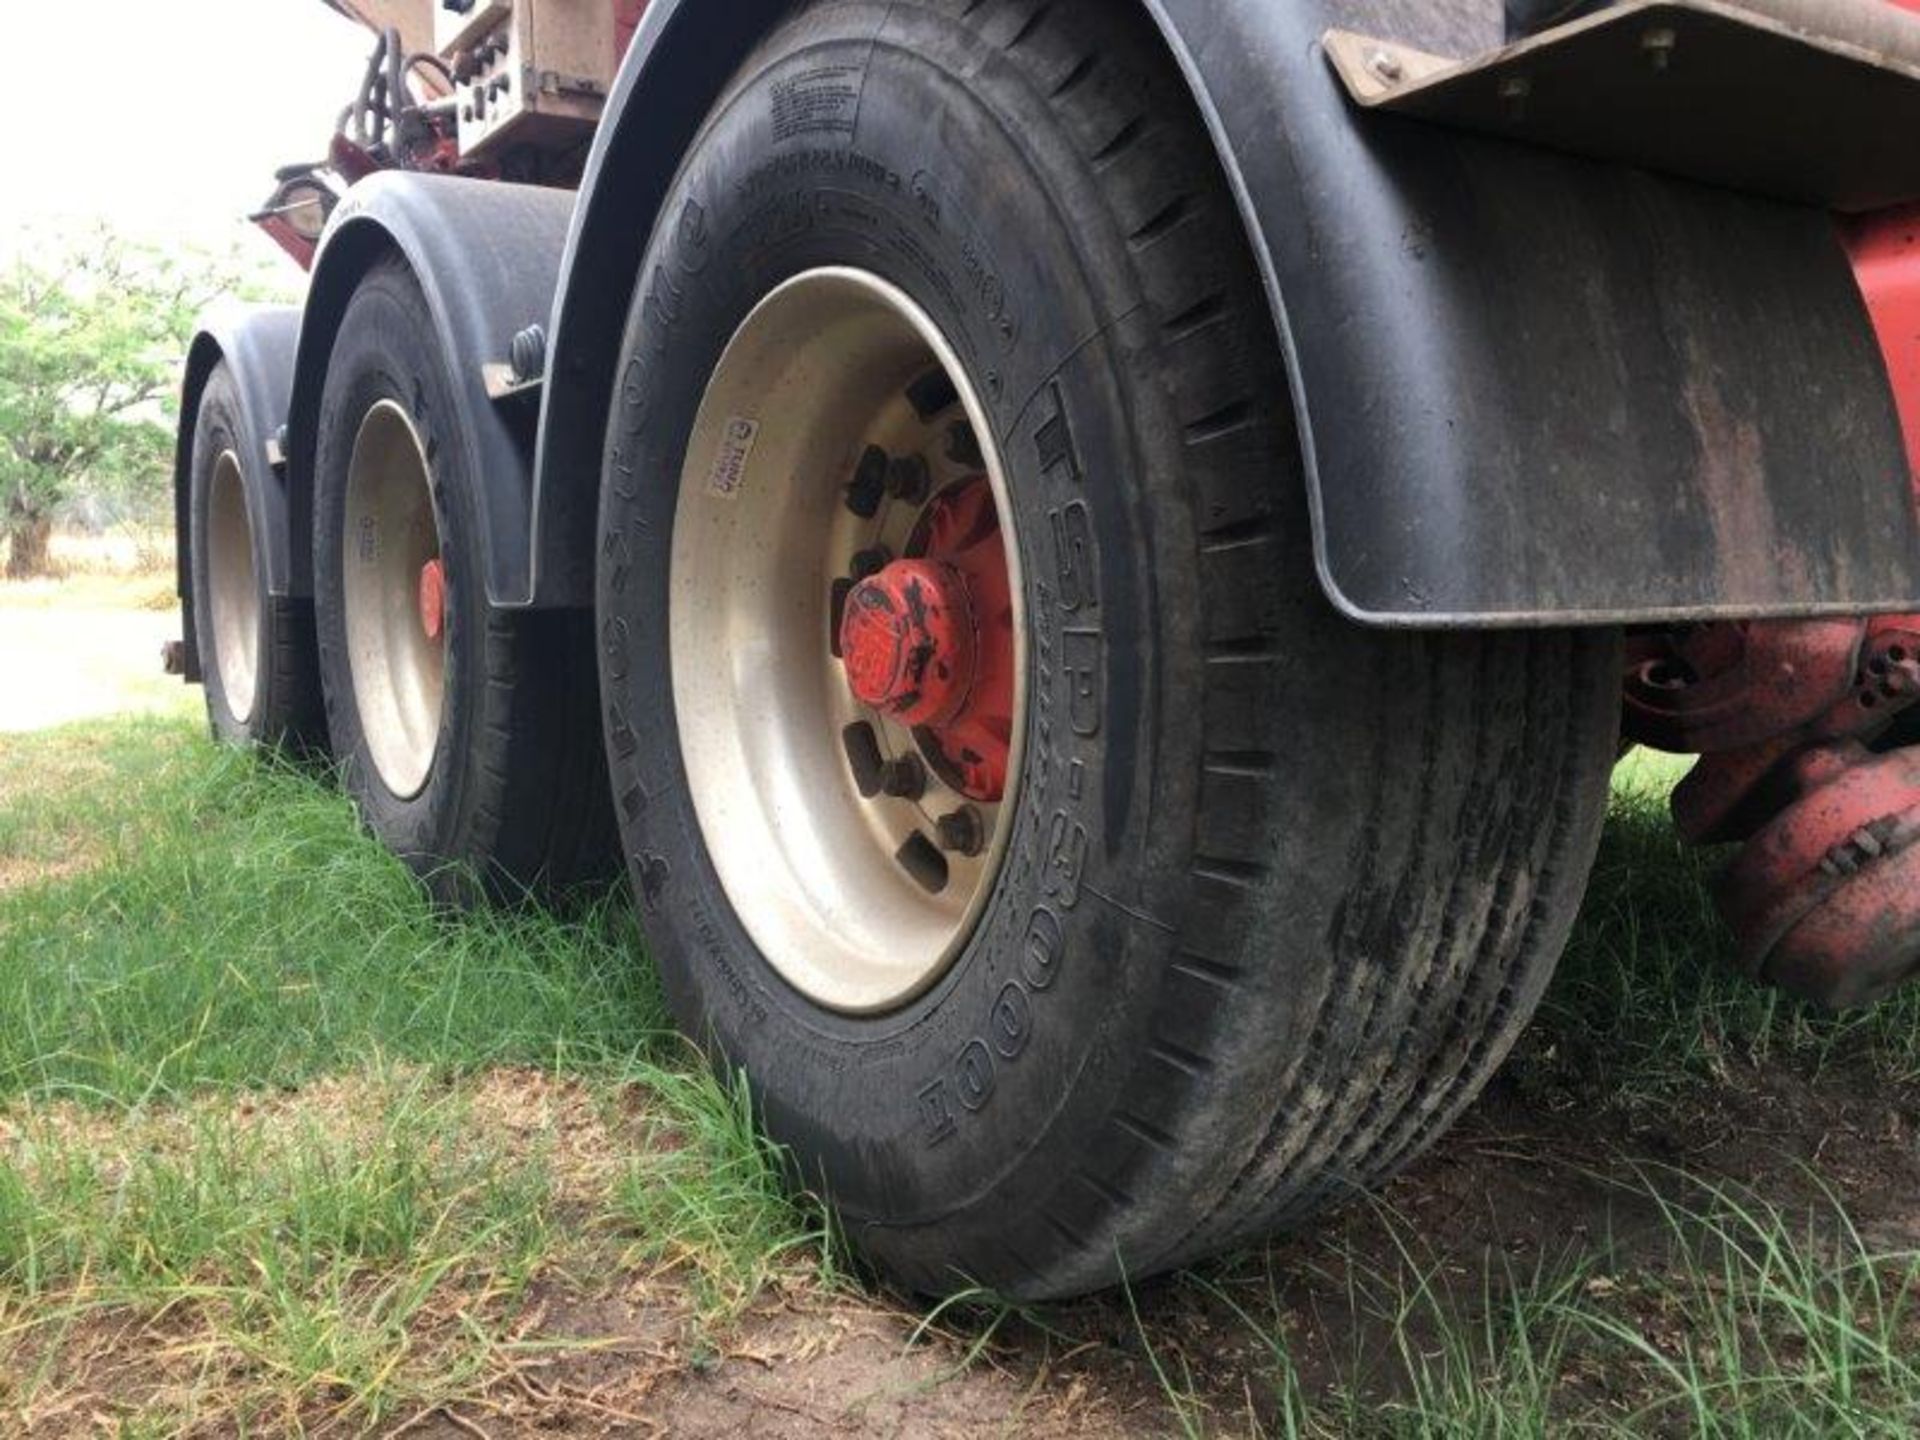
[365,1249]
[705,1195]
[233,928]
[1764,1323]
[298,1154]
[160,1201]
[240,1066]
[1778,1325]
[305,1254]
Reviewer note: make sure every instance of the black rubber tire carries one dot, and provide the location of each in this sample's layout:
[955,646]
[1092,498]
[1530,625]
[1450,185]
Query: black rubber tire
[516,802]
[286,713]
[1283,891]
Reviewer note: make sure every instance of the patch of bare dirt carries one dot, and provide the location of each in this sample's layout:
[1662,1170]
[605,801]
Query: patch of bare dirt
[798,1365]
[1518,1170]
[801,1363]
[25,872]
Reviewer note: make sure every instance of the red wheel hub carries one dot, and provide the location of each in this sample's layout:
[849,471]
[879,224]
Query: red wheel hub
[433,598]
[908,642]
[929,641]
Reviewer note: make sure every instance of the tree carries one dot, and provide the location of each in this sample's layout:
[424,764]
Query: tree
[91,342]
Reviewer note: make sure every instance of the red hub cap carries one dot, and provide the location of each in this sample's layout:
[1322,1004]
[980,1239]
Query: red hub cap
[908,642]
[433,598]
[929,641]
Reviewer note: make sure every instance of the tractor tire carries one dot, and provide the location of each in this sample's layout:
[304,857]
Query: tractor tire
[1265,898]
[466,735]
[256,649]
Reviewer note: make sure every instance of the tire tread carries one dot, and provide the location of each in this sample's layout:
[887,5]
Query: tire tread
[1380,1076]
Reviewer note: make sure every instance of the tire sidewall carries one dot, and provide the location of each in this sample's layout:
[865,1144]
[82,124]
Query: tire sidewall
[979,1093]
[221,427]
[386,350]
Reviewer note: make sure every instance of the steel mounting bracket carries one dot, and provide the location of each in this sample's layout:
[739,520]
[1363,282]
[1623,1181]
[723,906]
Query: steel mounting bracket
[1814,101]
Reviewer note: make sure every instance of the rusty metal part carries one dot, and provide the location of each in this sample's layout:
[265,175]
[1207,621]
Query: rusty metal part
[1825,901]
[926,640]
[908,642]
[1730,792]
[1825,897]
[1749,697]
[1724,687]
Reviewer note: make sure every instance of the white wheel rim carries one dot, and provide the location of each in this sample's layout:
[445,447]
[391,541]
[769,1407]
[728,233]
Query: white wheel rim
[398,667]
[816,375]
[233,588]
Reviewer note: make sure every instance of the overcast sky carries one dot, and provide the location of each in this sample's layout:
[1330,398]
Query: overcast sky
[167,118]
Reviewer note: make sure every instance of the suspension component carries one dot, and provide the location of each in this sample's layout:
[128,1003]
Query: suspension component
[1825,899]
[1714,688]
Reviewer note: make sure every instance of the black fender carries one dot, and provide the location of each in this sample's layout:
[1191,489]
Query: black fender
[1532,389]
[257,343]
[487,257]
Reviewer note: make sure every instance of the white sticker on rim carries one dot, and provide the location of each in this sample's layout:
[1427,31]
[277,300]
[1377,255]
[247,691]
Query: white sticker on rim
[729,470]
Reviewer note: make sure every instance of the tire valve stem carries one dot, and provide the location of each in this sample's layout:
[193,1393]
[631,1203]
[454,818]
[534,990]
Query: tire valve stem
[963,832]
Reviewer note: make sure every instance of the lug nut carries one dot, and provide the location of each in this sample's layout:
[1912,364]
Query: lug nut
[904,779]
[869,563]
[921,859]
[964,832]
[869,766]
[869,484]
[909,479]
